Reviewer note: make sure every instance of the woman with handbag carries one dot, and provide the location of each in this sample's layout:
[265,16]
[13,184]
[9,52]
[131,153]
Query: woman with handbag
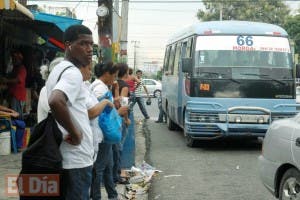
[123,90]
[103,166]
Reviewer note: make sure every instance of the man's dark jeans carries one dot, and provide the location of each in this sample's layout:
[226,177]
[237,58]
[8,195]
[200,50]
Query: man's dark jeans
[77,183]
[103,172]
[140,102]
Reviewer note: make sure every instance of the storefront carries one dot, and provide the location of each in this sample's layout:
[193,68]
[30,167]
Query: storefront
[38,35]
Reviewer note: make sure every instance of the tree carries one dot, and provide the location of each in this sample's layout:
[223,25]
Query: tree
[269,11]
[292,26]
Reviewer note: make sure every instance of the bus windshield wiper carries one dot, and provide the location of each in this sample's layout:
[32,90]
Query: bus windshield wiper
[265,76]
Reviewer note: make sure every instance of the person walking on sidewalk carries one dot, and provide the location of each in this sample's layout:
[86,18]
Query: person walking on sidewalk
[67,100]
[139,94]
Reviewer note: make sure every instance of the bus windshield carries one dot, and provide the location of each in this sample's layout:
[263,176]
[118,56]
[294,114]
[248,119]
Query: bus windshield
[242,51]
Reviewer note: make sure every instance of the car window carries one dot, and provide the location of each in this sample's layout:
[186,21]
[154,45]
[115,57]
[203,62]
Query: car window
[149,82]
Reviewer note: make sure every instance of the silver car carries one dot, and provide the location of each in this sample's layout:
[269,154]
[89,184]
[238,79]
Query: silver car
[280,160]
[153,87]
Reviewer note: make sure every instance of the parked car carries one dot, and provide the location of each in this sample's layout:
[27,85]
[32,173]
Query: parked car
[153,87]
[280,160]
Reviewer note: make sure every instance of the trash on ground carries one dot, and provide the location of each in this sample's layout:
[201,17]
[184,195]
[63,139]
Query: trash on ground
[139,180]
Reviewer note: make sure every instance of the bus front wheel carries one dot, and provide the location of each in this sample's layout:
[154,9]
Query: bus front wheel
[190,142]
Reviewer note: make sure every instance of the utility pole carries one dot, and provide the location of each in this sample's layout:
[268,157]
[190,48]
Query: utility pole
[124,31]
[134,58]
[105,14]
[221,11]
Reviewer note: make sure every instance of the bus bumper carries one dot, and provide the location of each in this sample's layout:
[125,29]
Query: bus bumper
[217,130]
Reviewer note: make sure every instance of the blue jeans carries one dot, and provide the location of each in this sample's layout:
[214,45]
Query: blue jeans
[103,172]
[17,106]
[140,102]
[76,183]
[117,153]
[117,162]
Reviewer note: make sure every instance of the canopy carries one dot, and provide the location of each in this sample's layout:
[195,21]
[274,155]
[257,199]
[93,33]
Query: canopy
[52,27]
[62,22]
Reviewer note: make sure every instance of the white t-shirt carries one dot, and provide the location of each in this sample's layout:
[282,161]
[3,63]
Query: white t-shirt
[71,84]
[43,106]
[99,88]
[97,132]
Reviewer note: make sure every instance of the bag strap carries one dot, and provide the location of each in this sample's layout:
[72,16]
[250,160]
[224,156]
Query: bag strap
[63,72]
[49,112]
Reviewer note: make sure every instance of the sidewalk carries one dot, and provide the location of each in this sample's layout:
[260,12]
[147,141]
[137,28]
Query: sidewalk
[11,164]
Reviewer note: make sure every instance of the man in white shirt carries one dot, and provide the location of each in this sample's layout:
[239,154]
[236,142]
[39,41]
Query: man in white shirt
[67,100]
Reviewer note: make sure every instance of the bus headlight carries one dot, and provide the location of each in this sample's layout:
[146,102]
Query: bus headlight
[238,119]
[260,120]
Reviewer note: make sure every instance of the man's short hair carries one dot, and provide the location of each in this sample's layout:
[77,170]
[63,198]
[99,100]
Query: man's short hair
[137,71]
[71,34]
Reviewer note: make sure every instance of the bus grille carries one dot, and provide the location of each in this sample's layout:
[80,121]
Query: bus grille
[204,117]
[197,128]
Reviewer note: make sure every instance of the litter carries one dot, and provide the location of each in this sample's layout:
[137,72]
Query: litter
[139,180]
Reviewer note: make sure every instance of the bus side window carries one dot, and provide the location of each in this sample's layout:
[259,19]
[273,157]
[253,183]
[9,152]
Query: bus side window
[171,60]
[166,61]
[189,48]
[183,50]
[177,59]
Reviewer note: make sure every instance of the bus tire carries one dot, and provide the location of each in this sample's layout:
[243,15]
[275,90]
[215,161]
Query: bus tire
[171,125]
[190,142]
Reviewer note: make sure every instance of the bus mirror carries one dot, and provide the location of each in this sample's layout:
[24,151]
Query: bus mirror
[186,64]
[298,71]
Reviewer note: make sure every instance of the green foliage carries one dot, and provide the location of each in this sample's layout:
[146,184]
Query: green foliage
[269,11]
[292,26]
[159,75]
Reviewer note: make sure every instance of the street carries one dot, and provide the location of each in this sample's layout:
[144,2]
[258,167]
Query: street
[224,170]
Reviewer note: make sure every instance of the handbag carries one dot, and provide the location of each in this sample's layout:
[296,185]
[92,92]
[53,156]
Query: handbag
[110,122]
[148,102]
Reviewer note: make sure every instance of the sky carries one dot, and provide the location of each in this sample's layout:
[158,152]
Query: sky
[149,23]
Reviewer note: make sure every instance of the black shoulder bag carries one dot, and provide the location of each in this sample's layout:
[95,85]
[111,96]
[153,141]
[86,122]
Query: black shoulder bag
[42,155]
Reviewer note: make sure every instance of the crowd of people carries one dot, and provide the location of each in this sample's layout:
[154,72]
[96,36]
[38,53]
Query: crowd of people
[76,104]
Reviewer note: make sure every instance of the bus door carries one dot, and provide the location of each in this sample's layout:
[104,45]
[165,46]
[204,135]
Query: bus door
[184,79]
[172,83]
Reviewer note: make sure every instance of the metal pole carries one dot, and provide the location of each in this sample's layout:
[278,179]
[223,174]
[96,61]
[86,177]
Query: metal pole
[124,31]
[134,58]
[105,33]
[221,11]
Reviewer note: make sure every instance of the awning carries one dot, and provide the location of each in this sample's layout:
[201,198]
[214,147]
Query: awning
[14,5]
[62,22]
[52,27]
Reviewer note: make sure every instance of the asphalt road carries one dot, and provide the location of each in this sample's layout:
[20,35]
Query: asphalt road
[223,170]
